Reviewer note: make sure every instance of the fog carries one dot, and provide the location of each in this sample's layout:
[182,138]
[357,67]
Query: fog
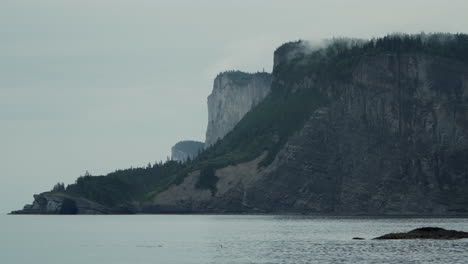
[97,85]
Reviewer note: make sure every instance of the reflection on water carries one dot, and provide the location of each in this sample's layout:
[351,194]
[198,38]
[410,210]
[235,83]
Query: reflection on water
[221,239]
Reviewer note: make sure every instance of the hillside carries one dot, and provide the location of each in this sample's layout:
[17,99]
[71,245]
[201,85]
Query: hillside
[354,127]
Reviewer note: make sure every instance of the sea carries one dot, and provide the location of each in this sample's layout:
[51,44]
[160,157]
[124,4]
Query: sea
[236,239]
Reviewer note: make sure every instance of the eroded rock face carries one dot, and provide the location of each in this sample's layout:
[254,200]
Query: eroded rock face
[234,94]
[55,203]
[427,233]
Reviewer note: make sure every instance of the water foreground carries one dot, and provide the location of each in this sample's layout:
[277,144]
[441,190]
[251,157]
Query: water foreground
[221,239]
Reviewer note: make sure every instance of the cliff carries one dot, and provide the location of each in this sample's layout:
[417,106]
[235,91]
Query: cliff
[184,150]
[375,128]
[234,94]
[393,139]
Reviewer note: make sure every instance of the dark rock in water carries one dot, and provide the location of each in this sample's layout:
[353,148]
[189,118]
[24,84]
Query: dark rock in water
[427,233]
[358,238]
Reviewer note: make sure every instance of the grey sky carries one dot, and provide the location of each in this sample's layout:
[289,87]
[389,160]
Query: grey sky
[105,84]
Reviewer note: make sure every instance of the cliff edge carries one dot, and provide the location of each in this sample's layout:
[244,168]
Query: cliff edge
[234,94]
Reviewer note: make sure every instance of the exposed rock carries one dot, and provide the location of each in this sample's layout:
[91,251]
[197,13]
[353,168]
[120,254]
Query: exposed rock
[184,150]
[427,233]
[230,196]
[58,203]
[234,94]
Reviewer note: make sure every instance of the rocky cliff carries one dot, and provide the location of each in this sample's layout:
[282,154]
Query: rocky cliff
[234,94]
[392,140]
[379,128]
[184,150]
[391,137]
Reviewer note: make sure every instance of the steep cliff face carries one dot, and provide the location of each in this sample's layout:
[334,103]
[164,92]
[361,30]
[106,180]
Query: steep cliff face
[392,140]
[184,150]
[233,95]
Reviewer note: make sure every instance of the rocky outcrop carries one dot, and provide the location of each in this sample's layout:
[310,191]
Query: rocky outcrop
[427,233]
[57,203]
[184,150]
[234,94]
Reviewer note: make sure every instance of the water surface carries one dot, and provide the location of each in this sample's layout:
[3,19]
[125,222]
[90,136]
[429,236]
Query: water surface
[186,239]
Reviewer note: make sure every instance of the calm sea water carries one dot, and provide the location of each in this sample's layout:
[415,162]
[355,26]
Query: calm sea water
[185,239]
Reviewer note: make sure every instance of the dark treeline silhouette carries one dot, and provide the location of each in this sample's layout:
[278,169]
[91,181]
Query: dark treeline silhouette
[442,44]
[120,187]
[242,78]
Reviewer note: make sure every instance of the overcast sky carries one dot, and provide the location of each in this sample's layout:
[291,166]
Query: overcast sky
[99,85]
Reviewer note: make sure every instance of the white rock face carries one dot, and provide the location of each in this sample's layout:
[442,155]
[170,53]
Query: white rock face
[234,94]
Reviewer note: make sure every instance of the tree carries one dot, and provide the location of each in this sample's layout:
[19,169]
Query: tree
[59,187]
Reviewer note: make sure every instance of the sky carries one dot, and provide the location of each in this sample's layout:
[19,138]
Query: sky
[100,85]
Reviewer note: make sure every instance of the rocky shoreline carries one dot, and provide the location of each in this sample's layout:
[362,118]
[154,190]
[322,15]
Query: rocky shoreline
[60,203]
[49,203]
